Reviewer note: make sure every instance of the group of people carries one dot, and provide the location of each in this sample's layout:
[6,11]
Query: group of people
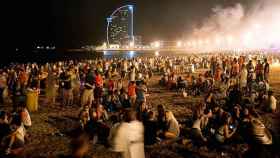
[13,133]
[236,89]
[111,96]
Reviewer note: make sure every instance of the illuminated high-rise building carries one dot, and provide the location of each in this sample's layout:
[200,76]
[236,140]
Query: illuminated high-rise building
[120,26]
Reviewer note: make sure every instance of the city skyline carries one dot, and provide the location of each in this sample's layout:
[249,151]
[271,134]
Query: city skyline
[70,24]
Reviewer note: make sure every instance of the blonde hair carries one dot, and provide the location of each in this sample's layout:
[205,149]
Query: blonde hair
[169,116]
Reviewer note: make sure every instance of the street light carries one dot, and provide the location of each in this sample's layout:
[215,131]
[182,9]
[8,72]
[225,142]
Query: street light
[104,45]
[157,53]
[156,44]
[179,44]
[131,44]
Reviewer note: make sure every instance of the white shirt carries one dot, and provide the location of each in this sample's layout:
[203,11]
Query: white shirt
[26,118]
[130,140]
[20,133]
[272,103]
[200,123]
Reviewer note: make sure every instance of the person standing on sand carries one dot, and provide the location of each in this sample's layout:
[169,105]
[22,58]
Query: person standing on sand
[87,96]
[259,71]
[266,70]
[52,87]
[132,73]
[132,93]
[129,139]
[243,77]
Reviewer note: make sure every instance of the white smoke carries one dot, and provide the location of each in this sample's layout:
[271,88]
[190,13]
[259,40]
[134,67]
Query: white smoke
[236,27]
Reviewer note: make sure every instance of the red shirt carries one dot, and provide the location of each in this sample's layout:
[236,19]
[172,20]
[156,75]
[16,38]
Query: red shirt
[131,90]
[111,85]
[98,81]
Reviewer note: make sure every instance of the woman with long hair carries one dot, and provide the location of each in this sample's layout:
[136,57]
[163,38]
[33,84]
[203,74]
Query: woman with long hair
[172,126]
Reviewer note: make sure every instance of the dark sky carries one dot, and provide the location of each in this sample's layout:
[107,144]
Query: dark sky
[72,23]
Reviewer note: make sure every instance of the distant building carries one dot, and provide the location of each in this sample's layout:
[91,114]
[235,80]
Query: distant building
[138,41]
[120,26]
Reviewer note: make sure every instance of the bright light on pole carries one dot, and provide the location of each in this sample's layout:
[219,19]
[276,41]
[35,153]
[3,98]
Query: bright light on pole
[157,53]
[104,45]
[131,44]
[156,44]
[179,44]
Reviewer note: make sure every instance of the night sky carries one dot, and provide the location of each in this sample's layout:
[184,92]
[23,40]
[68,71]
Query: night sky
[73,23]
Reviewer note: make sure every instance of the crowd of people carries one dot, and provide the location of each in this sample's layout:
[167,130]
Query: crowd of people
[111,97]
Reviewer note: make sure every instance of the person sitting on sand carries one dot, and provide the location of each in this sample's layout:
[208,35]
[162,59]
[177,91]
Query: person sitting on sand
[181,84]
[24,115]
[99,122]
[16,139]
[271,102]
[4,125]
[199,125]
[150,129]
[225,131]
[172,127]
[125,101]
[84,116]
[115,124]
[161,117]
